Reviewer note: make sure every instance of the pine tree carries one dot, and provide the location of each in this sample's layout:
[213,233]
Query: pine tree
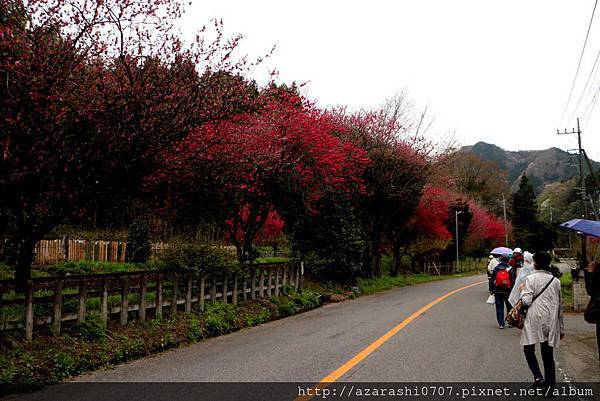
[528,232]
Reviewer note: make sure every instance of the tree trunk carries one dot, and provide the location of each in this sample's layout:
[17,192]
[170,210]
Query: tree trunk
[377,263]
[22,255]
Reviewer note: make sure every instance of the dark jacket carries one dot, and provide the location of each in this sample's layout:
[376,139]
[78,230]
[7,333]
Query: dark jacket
[511,274]
[592,283]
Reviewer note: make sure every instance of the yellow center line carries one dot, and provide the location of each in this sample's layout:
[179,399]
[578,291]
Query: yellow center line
[339,372]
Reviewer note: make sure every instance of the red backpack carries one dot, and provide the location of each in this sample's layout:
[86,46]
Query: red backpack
[502,279]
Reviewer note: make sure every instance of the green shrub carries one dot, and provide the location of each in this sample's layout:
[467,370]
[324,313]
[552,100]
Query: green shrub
[220,318]
[286,307]
[287,289]
[91,329]
[259,316]
[63,365]
[139,247]
[194,330]
[197,258]
[306,299]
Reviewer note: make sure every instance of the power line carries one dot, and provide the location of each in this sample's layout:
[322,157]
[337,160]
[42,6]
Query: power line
[587,82]
[579,63]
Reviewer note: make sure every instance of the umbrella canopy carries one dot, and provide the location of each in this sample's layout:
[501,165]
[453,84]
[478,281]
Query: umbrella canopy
[587,227]
[501,250]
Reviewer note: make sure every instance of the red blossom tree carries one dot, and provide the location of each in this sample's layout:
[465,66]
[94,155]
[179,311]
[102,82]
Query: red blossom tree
[260,161]
[486,231]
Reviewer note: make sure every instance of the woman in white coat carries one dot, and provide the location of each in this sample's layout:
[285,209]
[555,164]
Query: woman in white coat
[544,321]
[524,271]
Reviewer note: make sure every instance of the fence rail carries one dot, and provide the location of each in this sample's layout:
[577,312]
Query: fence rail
[133,295]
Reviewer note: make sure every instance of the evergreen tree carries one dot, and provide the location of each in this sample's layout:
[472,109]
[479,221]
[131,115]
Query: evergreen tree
[528,232]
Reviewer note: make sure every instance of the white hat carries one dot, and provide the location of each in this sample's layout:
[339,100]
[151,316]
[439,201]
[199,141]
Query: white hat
[517,250]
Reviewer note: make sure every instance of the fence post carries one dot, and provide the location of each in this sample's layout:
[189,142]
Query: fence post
[124,300]
[104,303]
[224,291]
[261,283]
[159,296]
[28,312]
[277,282]
[82,299]
[142,303]
[269,282]
[202,289]
[245,289]
[297,277]
[234,293]
[284,278]
[175,295]
[57,307]
[291,278]
[301,278]
[253,284]
[188,293]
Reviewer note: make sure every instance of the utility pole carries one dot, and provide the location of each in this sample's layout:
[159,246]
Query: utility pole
[457,259]
[505,222]
[583,199]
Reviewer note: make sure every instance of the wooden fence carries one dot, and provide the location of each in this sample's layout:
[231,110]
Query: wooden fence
[50,301]
[466,265]
[75,250]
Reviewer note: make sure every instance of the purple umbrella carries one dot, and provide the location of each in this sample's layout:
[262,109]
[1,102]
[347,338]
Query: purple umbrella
[501,250]
[586,227]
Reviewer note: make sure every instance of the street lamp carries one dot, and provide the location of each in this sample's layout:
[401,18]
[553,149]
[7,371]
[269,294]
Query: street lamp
[456,213]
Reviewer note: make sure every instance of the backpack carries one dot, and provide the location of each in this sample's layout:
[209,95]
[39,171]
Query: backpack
[502,279]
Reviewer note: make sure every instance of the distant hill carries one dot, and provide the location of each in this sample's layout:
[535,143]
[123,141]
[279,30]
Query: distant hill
[542,167]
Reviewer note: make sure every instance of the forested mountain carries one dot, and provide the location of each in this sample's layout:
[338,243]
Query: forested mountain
[542,167]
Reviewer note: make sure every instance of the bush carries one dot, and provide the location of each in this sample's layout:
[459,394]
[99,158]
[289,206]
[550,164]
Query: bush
[306,299]
[91,329]
[194,330]
[286,307]
[197,258]
[220,318]
[64,365]
[139,247]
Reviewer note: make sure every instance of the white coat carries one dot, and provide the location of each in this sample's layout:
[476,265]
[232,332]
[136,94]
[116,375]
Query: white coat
[544,321]
[524,271]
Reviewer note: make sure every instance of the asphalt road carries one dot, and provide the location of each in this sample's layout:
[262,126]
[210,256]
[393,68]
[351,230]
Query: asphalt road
[455,340]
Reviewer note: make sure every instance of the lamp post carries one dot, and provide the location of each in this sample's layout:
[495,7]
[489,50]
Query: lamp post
[456,213]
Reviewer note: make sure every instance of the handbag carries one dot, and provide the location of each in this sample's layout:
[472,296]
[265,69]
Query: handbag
[592,311]
[516,316]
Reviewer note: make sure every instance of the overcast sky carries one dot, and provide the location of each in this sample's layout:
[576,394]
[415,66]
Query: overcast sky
[494,71]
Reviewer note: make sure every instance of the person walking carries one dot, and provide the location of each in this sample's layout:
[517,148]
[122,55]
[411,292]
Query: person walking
[544,320]
[502,281]
[521,274]
[592,287]
[517,260]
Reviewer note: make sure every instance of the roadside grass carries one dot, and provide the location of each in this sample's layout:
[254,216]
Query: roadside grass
[272,259]
[566,283]
[87,346]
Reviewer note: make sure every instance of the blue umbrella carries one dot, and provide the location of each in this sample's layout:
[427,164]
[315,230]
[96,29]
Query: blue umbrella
[587,227]
[501,250]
